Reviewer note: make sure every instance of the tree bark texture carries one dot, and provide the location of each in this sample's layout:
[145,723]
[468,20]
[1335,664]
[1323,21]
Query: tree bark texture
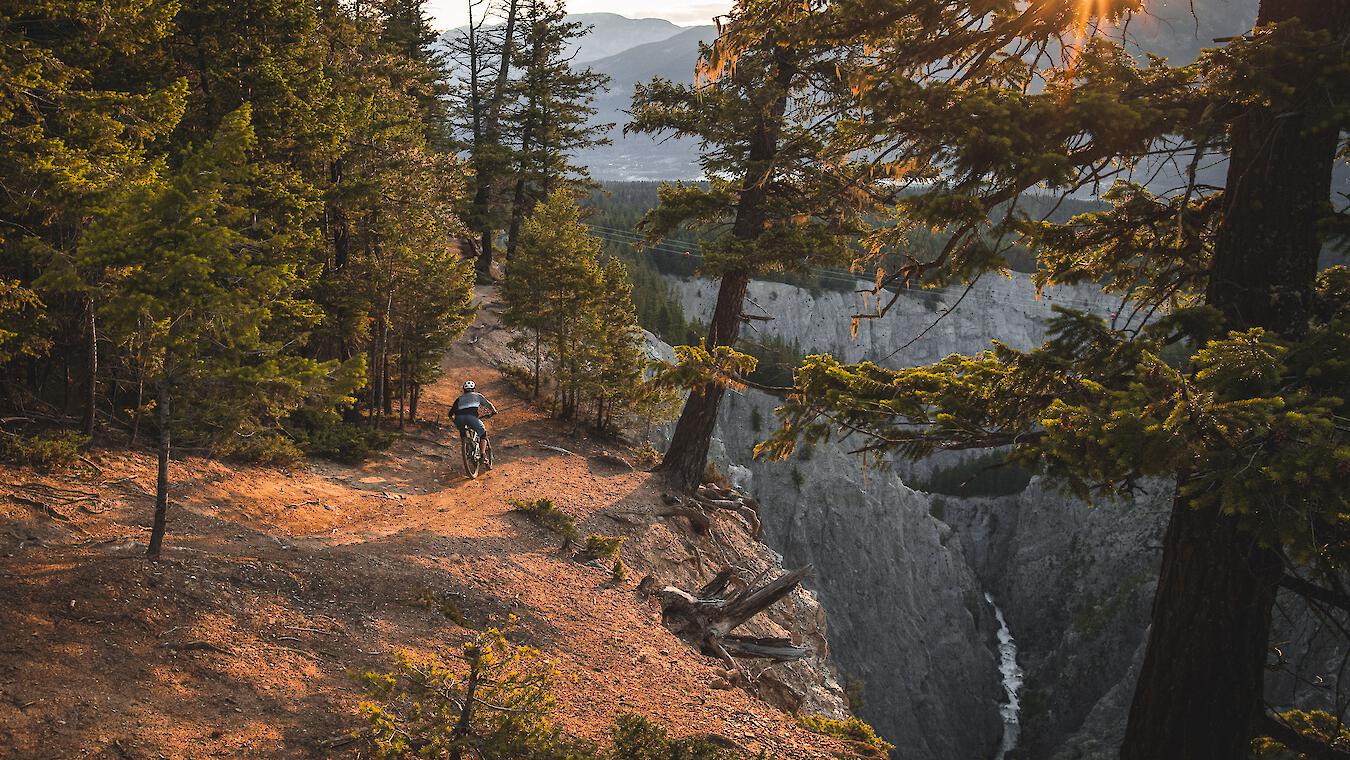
[1200,691]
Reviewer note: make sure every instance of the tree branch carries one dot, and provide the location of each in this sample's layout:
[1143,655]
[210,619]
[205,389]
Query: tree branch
[1299,742]
[1333,597]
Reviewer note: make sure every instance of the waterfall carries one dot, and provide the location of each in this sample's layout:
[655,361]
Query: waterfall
[1012,682]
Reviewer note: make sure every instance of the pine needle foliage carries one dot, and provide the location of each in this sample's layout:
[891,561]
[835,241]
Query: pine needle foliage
[852,729]
[573,310]
[544,512]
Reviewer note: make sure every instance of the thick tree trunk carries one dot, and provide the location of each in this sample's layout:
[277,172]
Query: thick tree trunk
[687,458]
[162,477]
[1200,691]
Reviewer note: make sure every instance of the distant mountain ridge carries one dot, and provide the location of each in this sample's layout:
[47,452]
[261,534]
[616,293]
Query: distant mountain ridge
[636,157]
[610,34]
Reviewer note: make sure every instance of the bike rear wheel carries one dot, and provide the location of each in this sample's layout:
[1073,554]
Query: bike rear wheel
[473,459]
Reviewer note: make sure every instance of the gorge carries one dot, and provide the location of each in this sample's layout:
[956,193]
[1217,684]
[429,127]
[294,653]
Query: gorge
[905,572]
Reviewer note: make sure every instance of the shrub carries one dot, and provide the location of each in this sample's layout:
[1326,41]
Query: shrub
[600,546]
[327,435]
[861,736]
[45,451]
[521,379]
[418,708]
[647,455]
[637,738]
[547,515]
[1316,725]
[446,606]
[269,449]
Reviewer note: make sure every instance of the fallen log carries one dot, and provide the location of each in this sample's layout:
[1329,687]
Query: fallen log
[706,619]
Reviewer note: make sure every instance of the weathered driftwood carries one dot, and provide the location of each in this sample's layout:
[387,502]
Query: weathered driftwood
[709,498]
[707,618]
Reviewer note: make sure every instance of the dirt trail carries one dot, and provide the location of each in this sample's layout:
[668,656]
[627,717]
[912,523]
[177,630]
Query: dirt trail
[278,584]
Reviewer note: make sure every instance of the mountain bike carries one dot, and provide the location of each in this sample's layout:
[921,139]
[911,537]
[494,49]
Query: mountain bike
[477,453]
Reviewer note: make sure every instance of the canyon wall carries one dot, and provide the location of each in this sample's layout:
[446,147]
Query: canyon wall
[902,574]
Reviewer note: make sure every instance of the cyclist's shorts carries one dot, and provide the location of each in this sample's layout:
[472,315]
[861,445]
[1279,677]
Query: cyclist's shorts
[470,422]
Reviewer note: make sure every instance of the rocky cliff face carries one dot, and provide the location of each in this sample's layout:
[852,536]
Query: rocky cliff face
[1075,582]
[904,593]
[902,573]
[909,622]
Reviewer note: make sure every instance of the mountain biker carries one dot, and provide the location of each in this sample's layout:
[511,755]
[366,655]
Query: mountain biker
[467,410]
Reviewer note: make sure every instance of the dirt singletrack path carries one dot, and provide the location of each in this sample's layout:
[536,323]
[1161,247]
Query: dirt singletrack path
[278,585]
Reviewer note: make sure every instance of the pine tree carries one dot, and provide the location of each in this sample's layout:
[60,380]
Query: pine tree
[482,58]
[198,282]
[780,196]
[552,115]
[71,128]
[1247,425]
[575,313]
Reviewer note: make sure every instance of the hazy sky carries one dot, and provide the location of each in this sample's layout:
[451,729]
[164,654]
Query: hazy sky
[452,13]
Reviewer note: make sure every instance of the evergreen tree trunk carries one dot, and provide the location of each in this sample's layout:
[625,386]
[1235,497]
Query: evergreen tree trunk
[140,401]
[538,361]
[337,220]
[1201,688]
[491,137]
[518,209]
[517,213]
[687,458]
[162,477]
[91,368]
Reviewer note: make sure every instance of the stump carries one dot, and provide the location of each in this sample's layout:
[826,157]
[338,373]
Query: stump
[708,617]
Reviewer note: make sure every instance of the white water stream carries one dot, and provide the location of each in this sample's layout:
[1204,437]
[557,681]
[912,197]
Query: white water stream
[1012,682]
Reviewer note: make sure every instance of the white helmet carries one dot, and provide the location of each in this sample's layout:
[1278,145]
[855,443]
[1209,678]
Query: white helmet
[469,385]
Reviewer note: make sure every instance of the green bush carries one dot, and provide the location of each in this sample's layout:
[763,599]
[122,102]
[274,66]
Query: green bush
[547,515]
[637,738]
[45,451]
[268,449]
[607,548]
[328,436]
[1316,725]
[417,710]
[861,736]
[600,546]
